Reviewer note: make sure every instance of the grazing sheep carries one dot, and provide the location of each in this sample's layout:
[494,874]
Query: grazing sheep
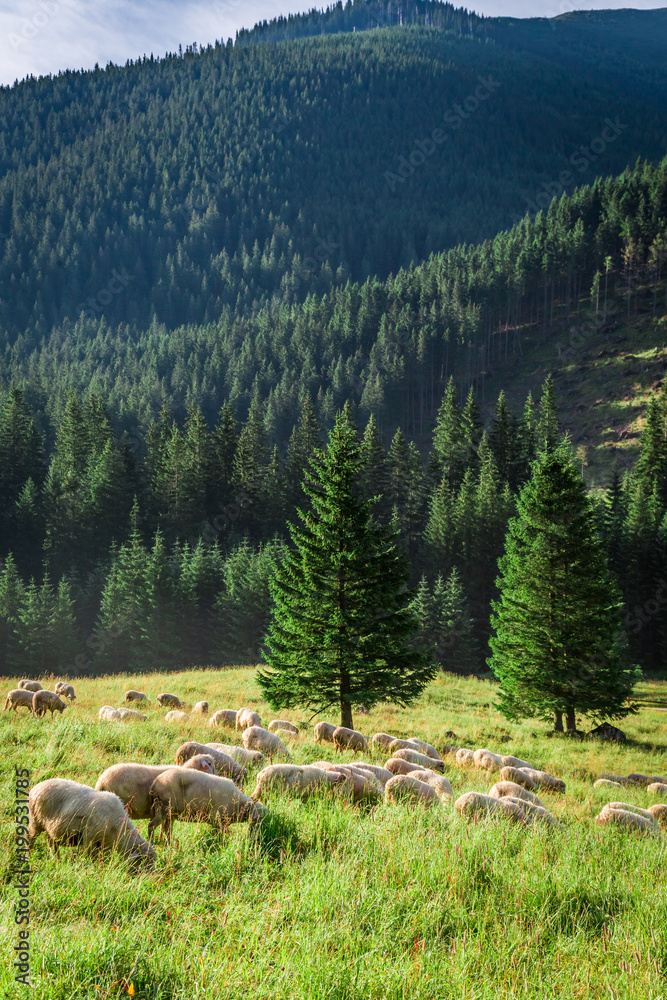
[399,766]
[170,701]
[606,783]
[223,717]
[487,760]
[65,691]
[426,748]
[509,788]
[383,740]
[365,787]
[28,685]
[136,696]
[657,788]
[245,718]
[625,815]
[404,788]
[640,779]
[129,713]
[109,714]
[287,734]
[534,812]
[277,724]
[659,813]
[175,716]
[292,779]
[508,773]
[324,731]
[415,757]
[399,744]
[225,765]
[256,738]
[630,808]
[47,701]
[132,782]
[19,698]
[67,811]
[349,739]
[465,757]
[195,797]
[381,773]
[544,780]
[474,804]
[201,708]
[509,761]
[248,758]
[618,779]
[441,785]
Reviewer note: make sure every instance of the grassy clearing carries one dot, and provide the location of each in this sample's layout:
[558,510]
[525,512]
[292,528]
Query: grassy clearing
[337,903]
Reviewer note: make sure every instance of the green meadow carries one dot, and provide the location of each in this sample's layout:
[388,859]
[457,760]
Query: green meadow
[334,902]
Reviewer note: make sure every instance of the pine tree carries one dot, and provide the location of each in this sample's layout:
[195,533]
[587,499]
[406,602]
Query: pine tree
[406,489]
[342,630]
[457,650]
[557,624]
[448,437]
[651,467]
[223,449]
[21,459]
[375,477]
[471,431]
[11,599]
[304,441]
[548,427]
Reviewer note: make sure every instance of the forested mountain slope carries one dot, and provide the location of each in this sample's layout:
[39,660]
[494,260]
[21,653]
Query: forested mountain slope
[213,182]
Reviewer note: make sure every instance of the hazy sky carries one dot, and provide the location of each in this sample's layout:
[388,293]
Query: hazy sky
[43,36]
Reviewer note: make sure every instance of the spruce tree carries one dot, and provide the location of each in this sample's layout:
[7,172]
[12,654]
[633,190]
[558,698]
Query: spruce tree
[11,599]
[448,438]
[556,648]
[342,629]
[548,427]
[457,650]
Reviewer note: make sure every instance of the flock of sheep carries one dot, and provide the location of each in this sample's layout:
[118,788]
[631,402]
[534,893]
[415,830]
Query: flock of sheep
[205,783]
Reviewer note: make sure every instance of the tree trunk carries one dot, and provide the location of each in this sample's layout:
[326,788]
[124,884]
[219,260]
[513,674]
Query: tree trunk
[346,714]
[558,722]
[570,721]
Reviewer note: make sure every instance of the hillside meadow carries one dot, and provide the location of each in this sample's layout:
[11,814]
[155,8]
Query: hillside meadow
[335,902]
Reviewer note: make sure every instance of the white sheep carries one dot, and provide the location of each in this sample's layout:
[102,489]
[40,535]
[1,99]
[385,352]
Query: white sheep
[415,757]
[380,740]
[245,718]
[509,788]
[223,717]
[291,779]
[659,813]
[474,804]
[248,758]
[277,724]
[108,713]
[201,708]
[256,738]
[64,690]
[130,713]
[487,760]
[167,700]
[225,765]
[381,773]
[656,788]
[286,735]
[533,811]
[324,731]
[363,785]
[19,698]
[76,814]
[399,766]
[544,780]
[175,716]
[349,739]
[606,783]
[131,696]
[511,773]
[404,788]
[47,701]
[28,685]
[625,815]
[438,782]
[426,748]
[132,782]
[195,797]
[509,761]
[465,757]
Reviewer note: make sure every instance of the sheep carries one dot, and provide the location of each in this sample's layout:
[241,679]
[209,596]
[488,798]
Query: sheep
[28,685]
[381,773]
[277,724]
[465,757]
[618,779]
[508,773]
[399,766]
[299,781]
[606,783]
[474,804]
[404,788]
[487,760]
[657,788]
[170,701]
[509,761]
[192,796]
[256,738]
[534,812]
[226,766]
[132,782]
[47,701]
[248,758]
[223,717]
[109,714]
[424,761]
[626,817]
[201,708]
[426,748]
[630,808]
[640,779]
[129,713]
[65,691]
[19,698]
[505,788]
[659,813]
[440,784]
[324,731]
[399,744]
[136,696]
[544,780]
[381,740]
[349,739]
[286,735]
[74,813]
[365,787]
[245,718]
[175,716]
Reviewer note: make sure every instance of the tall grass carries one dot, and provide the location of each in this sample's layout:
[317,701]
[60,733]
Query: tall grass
[330,902]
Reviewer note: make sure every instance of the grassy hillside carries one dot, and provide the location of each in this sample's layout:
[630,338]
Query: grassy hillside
[338,903]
